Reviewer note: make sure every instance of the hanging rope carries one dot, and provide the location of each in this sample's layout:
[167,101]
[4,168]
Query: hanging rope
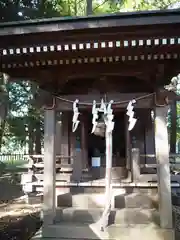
[115,103]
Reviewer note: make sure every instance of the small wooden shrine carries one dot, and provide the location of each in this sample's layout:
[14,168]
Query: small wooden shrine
[116,57]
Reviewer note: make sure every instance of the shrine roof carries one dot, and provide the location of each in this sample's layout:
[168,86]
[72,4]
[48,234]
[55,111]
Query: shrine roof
[121,19]
[125,51]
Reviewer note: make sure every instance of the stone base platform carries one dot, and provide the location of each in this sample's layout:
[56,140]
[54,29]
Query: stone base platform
[73,231]
[90,197]
[125,217]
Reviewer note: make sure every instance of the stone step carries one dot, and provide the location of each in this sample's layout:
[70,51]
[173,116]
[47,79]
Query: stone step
[119,232]
[135,200]
[120,199]
[94,198]
[118,216]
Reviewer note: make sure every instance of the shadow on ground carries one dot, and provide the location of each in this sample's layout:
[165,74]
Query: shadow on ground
[10,188]
[21,228]
[18,221]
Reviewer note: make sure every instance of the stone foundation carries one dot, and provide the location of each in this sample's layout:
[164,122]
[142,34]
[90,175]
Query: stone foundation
[76,231]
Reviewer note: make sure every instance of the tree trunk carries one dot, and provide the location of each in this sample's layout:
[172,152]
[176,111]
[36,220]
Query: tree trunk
[2,128]
[31,139]
[4,99]
[32,119]
[75,8]
[89,10]
[38,138]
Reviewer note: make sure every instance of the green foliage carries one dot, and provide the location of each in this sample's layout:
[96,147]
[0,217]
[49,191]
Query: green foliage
[2,168]
[113,6]
[178,121]
[14,10]
[155,4]
[23,117]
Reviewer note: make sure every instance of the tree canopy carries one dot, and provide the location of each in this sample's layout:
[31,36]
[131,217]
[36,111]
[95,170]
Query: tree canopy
[21,123]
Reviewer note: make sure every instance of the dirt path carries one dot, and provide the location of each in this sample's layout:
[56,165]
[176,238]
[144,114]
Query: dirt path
[18,220]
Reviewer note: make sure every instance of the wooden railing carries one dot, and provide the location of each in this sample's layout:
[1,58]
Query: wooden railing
[24,157]
[63,163]
[33,179]
[37,159]
[10,158]
[34,163]
[174,159]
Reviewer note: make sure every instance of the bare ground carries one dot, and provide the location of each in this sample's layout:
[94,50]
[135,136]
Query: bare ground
[18,220]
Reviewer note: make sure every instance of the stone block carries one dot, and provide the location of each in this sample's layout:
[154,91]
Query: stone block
[114,232]
[26,178]
[34,199]
[135,200]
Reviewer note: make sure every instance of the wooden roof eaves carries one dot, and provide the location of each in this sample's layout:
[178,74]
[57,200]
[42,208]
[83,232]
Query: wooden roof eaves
[141,18]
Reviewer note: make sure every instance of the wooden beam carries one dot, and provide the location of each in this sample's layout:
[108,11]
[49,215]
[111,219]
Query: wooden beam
[66,71]
[101,183]
[57,165]
[129,52]
[91,69]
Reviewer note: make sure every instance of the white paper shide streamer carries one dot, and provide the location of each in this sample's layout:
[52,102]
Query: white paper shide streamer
[75,120]
[132,121]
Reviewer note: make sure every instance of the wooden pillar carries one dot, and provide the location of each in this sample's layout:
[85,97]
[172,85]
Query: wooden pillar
[65,135]
[49,206]
[76,152]
[173,127]
[72,140]
[77,166]
[136,171]
[77,162]
[108,178]
[58,133]
[163,167]
[84,149]
[149,139]
[128,145]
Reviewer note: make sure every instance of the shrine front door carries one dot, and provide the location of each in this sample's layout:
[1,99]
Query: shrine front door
[97,145]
